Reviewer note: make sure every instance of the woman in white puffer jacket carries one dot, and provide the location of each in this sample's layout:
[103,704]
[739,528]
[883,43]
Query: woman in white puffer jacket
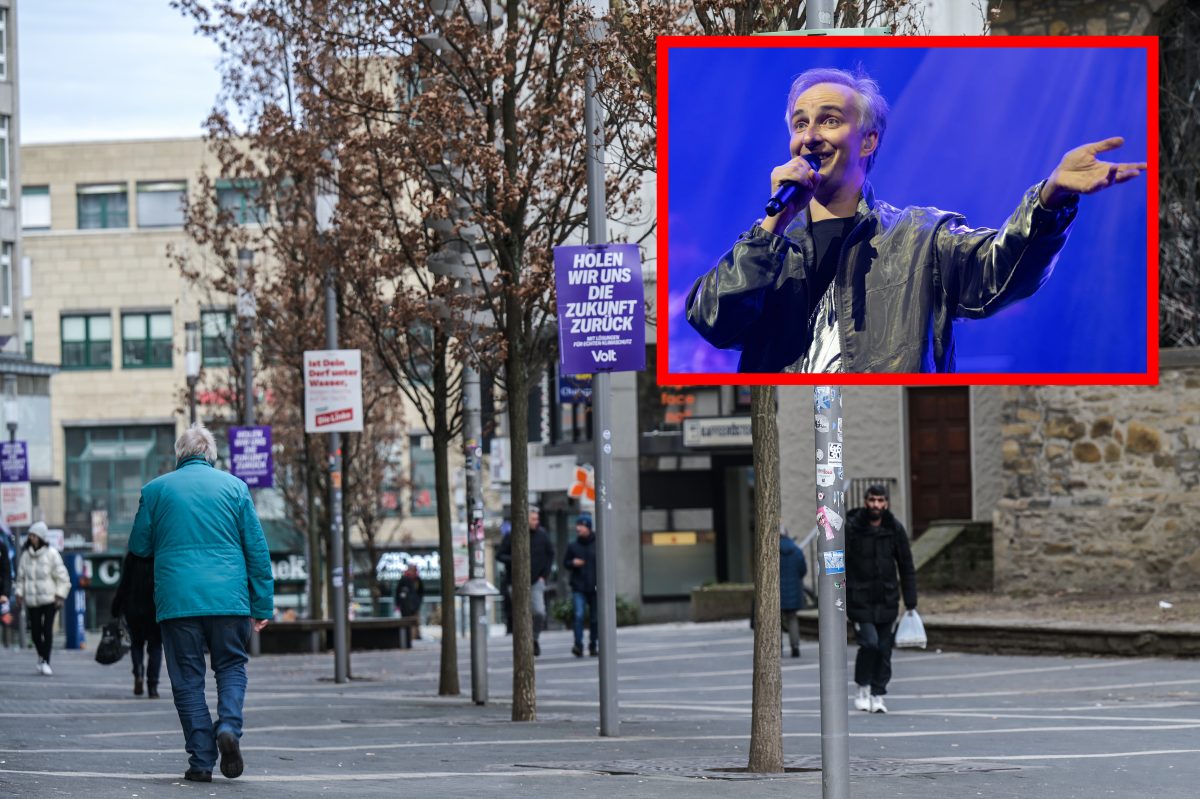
[42,585]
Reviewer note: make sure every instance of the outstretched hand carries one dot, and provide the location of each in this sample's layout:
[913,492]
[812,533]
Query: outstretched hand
[1081,172]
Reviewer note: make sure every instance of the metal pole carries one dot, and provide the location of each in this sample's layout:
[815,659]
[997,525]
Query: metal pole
[819,14]
[831,593]
[610,722]
[246,312]
[341,665]
[191,382]
[473,450]
[16,565]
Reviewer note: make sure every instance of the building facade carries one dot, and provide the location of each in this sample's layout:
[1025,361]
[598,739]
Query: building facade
[107,303]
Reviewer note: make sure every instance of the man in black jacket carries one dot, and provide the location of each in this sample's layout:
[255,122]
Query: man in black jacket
[541,561]
[581,560]
[876,547]
[135,601]
[841,282]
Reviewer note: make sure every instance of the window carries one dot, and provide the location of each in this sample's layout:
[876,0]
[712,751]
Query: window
[35,207]
[3,44]
[422,477]
[103,205]
[242,199]
[216,337]
[145,340]
[27,334]
[6,279]
[5,157]
[106,469]
[87,341]
[161,204]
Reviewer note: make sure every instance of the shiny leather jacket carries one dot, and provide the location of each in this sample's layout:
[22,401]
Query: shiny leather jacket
[904,276]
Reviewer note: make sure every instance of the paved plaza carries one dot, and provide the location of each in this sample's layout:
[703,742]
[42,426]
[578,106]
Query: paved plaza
[960,726]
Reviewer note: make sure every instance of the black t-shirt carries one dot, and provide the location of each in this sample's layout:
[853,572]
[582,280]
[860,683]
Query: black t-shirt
[828,235]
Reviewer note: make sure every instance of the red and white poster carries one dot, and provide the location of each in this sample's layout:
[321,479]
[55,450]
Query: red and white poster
[333,391]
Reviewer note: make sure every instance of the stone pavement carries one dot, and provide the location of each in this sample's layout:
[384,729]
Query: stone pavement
[961,725]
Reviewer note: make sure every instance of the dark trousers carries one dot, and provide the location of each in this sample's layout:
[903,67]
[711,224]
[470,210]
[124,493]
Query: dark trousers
[226,639]
[586,601]
[873,666]
[41,628]
[145,638]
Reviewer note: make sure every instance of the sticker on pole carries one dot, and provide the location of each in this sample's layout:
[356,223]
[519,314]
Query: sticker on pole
[333,391]
[835,561]
[601,308]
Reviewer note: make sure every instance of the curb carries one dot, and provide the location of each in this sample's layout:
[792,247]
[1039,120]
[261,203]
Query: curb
[988,636]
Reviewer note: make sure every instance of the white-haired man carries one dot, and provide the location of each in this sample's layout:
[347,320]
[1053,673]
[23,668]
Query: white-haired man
[212,574]
[841,282]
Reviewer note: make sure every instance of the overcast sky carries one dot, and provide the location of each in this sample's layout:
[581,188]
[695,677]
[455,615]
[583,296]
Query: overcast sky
[93,70]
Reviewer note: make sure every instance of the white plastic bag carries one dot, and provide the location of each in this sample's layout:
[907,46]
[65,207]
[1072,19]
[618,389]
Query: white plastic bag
[910,634]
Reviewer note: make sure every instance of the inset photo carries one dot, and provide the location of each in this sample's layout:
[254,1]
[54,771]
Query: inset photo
[908,210]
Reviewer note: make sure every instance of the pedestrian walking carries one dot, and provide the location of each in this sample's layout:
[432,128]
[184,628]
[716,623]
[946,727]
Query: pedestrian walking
[212,575]
[792,568]
[504,567]
[6,579]
[134,601]
[581,561]
[410,592]
[541,561]
[876,548]
[42,587]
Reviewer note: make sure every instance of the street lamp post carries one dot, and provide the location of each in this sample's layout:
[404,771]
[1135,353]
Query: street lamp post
[191,343]
[10,419]
[326,205]
[10,405]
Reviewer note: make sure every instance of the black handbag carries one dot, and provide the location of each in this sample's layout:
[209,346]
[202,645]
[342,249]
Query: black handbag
[114,643]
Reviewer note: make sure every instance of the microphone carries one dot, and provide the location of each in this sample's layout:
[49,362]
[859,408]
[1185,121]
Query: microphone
[783,195]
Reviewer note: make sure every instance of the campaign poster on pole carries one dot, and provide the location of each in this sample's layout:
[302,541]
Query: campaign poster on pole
[601,308]
[16,493]
[250,455]
[333,391]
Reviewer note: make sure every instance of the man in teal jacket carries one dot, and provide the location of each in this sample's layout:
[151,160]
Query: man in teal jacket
[212,573]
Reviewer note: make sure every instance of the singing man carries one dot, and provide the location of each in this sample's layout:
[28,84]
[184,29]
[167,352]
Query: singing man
[839,281]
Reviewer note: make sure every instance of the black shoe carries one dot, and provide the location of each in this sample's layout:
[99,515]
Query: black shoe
[593,650]
[795,651]
[577,651]
[153,691]
[137,686]
[231,755]
[196,775]
[537,649]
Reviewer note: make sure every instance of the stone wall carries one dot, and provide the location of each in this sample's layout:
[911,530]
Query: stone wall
[1074,17]
[1101,486]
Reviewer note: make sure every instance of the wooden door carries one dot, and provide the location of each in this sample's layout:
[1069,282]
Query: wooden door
[939,446]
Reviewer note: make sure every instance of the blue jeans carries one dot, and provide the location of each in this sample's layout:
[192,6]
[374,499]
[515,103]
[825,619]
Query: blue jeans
[873,666]
[184,641]
[588,600]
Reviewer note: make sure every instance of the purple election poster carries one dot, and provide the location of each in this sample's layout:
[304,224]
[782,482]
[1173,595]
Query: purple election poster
[601,308]
[14,462]
[250,455]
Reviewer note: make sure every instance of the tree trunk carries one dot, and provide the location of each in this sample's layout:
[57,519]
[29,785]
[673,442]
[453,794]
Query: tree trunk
[524,690]
[766,723]
[448,675]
